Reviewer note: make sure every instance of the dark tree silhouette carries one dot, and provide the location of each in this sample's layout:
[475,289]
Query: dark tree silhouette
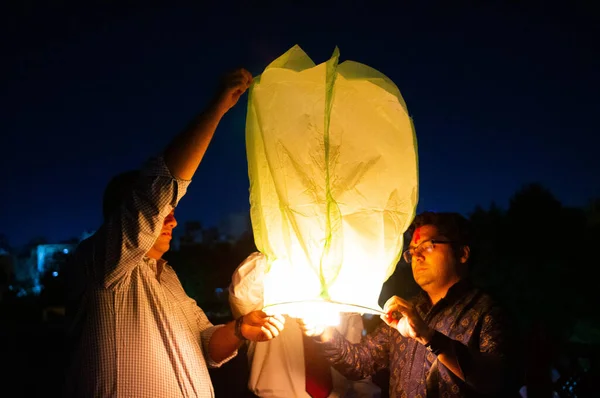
[535,257]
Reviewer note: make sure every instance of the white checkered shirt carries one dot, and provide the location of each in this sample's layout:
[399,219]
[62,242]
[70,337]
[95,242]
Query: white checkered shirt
[131,334]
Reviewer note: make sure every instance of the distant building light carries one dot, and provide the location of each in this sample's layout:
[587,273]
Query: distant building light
[66,251]
[55,274]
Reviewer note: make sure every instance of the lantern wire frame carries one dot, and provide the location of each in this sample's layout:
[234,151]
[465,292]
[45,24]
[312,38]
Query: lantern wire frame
[292,307]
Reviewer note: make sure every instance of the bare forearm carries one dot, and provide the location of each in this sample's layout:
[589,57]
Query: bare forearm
[223,342]
[485,373]
[185,152]
[448,356]
[451,362]
[254,326]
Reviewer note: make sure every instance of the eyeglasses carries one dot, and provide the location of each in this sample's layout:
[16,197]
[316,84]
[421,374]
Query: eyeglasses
[426,246]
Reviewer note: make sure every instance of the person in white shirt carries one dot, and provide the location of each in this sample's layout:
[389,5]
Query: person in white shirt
[133,331]
[277,367]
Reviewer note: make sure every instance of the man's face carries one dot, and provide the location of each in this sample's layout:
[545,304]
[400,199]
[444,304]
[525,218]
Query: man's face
[163,242]
[434,268]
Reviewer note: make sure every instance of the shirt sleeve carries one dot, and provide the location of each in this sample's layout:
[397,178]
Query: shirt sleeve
[204,329]
[486,365]
[126,237]
[351,326]
[361,360]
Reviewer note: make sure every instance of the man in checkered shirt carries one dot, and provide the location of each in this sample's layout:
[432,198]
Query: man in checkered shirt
[133,330]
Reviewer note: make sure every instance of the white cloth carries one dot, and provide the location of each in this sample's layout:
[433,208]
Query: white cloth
[277,366]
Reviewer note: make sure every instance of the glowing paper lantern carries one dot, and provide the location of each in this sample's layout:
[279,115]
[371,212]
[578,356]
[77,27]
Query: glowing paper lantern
[332,159]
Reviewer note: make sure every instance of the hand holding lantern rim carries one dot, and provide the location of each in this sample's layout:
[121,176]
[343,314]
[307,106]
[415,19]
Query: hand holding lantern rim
[310,329]
[321,333]
[258,326]
[409,324]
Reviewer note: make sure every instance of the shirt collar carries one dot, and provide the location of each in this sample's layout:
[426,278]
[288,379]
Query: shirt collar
[458,289]
[455,292]
[153,264]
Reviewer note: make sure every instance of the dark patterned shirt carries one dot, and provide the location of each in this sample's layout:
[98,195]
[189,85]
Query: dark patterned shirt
[470,322]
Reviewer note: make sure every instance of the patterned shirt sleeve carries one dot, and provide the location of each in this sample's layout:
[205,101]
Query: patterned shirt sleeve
[123,240]
[485,367]
[361,360]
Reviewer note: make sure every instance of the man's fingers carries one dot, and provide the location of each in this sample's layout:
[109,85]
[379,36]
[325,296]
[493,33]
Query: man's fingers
[309,329]
[303,326]
[394,312]
[314,331]
[266,332]
[261,313]
[402,302]
[273,329]
[385,318]
[256,318]
[389,320]
[400,308]
[276,323]
[390,302]
[238,84]
[238,78]
[247,76]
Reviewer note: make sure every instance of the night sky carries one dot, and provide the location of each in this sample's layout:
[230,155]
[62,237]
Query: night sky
[501,96]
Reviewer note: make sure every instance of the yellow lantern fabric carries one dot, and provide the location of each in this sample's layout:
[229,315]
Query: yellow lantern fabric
[332,162]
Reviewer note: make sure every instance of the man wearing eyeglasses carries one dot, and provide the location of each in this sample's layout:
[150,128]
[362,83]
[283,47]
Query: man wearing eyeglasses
[451,340]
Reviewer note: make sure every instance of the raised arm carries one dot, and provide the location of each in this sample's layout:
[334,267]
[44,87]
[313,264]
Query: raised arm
[145,200]
[185,152]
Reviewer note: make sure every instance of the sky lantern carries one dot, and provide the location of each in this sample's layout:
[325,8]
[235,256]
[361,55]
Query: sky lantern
[332,162]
